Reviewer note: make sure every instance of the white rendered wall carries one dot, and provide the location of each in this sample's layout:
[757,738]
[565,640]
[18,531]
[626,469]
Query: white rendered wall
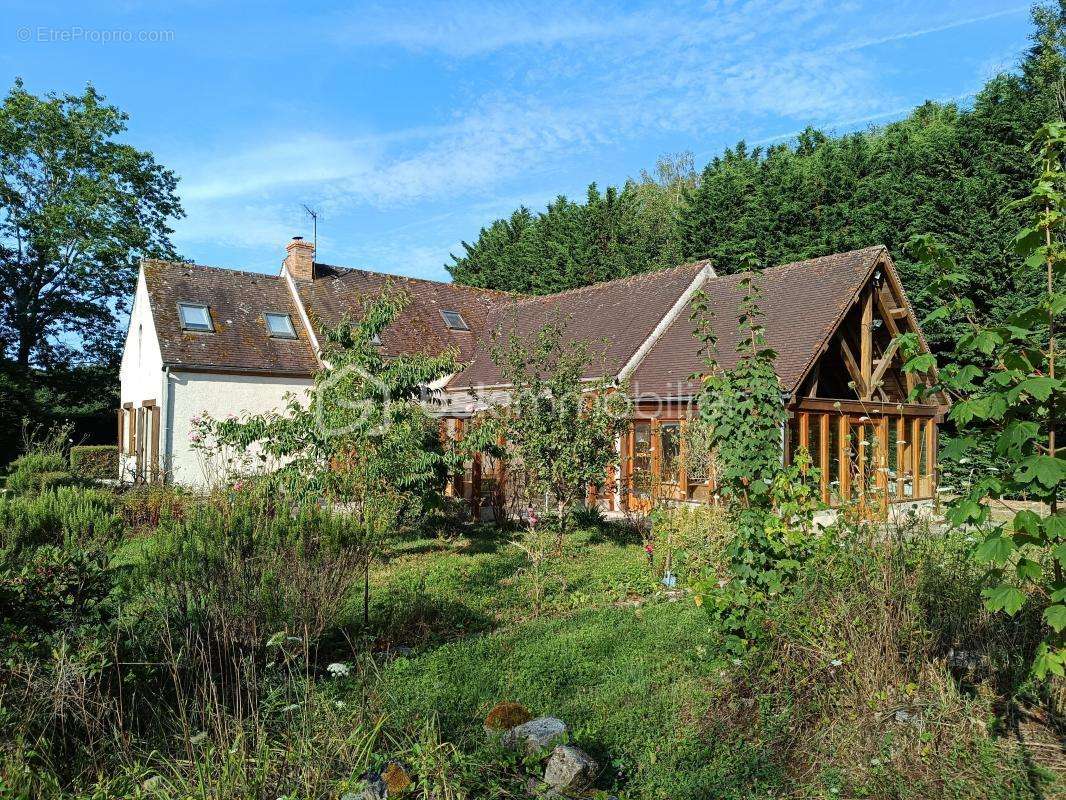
[192,394]
[141,371]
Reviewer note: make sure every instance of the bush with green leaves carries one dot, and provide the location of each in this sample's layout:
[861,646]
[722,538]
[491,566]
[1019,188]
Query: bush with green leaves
[68,516]
[691,540]
[95,462]
[771,506]
[1013,403]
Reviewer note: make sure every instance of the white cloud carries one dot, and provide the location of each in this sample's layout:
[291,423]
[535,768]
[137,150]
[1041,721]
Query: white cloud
[569,81]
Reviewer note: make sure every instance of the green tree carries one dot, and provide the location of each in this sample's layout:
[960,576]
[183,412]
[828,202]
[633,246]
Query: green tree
[1013,403]
[560,427]
[77,206]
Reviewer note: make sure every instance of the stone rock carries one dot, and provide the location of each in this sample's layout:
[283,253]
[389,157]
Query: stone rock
[537,734]
[397,779]
[505,716]
[375,788]
[570,769]
[392,653]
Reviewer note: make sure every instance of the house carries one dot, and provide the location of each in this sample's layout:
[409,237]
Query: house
[230,342]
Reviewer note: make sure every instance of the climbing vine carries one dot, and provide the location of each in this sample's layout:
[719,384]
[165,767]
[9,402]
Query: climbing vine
[771,505]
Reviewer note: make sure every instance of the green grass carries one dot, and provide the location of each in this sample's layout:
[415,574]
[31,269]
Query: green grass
[436,590]
[635,684]
[627,669]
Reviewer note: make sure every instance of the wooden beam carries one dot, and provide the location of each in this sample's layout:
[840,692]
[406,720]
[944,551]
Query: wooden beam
[870,408]
[901,455]
[804,433]
[823,452]
[886,361]
[815,375]
[916,458]
[882,462]
[155,473]
[866,344]
[888,310]
[844,466]
[930,457]
[852,367]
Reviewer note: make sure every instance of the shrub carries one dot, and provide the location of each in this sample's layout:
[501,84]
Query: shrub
[67,515]
[39,462]
[145,506]
[94,461]
[244,569]
[864,685]
[691,540]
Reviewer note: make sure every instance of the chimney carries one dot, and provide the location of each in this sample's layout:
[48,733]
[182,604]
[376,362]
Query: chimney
[300,259]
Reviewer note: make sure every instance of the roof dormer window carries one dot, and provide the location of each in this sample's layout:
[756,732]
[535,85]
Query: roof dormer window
[195,317]
[454,320]
[280,325]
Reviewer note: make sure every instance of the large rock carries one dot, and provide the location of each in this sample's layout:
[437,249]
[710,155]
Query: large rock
[375,788]
[505,716]
[570,769]
[537,734]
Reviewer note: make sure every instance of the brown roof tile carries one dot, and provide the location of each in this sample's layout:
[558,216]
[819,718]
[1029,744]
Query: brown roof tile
[420,328]
[237,301]
[615,317]
[802,304]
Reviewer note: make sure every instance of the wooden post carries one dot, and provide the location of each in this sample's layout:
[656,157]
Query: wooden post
[823,452]
[916,458]
[475,488]
[682,467]
[901,455]
[866,347]
[845,462]
[628,442]
[459,490]
[882,462]
[861,466]
[930,457]
[804,433]
[656,461]
[156,473]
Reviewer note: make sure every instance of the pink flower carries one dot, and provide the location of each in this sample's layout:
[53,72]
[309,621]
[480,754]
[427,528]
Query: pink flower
[194,436]
[649,548]
[238,486]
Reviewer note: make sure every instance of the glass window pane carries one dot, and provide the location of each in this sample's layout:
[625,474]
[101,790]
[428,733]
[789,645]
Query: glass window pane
[670,443]
[280,325]
[641,464]
[195,317]
[454,320]
[814,427]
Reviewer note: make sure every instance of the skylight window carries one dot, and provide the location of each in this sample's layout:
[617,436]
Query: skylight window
[195,317]
[280,326]
[454,320]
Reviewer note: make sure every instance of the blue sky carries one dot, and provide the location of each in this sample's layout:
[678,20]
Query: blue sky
[410,125]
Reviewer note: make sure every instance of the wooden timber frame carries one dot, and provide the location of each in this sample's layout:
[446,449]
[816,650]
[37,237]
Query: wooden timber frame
[851,409]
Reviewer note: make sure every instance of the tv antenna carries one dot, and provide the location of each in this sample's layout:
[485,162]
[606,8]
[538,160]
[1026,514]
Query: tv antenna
[314,226]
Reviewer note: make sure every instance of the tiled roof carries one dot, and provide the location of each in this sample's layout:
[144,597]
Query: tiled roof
[420,328]
[802,304]
[614,317]
[237,301]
